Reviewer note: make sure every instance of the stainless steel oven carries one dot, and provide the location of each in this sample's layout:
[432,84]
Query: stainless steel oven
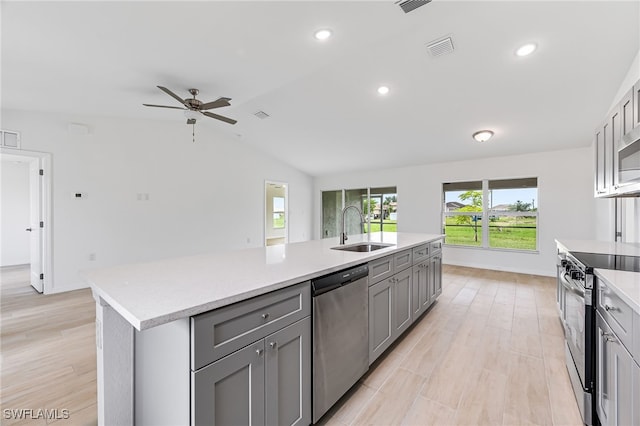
[575,302]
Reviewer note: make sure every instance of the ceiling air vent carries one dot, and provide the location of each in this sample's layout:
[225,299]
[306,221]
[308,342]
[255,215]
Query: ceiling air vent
[261,114]
[410,5]
[440,47]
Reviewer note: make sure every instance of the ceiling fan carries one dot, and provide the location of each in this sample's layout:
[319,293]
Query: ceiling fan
[194,107]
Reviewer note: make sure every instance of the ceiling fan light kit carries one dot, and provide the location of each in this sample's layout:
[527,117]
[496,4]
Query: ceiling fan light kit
[194,108]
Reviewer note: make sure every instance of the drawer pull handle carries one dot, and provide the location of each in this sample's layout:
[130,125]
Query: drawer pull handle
[608,337]
[259,351]
[608,308]
[273,344]
[265,316]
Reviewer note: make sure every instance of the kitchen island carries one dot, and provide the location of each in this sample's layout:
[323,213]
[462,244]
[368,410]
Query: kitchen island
[144,314]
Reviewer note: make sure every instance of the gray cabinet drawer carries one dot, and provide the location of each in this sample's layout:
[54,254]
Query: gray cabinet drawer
[220,332]
[420,253]
[402,260]
[380,269]
[435,247]
[616,312]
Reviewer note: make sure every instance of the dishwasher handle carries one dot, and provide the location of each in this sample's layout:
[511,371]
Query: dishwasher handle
[338,279]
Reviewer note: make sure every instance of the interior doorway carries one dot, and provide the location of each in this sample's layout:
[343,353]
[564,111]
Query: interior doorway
[276,217]
[26,214]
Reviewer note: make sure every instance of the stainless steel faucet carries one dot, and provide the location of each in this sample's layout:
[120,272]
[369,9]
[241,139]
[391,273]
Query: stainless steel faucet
[343,234]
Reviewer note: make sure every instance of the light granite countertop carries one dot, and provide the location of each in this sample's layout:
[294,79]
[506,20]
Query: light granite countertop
[606,247]
[624,284]
[155,293]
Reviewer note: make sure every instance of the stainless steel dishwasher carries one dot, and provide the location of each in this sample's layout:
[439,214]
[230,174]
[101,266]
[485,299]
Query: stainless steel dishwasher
[340,335]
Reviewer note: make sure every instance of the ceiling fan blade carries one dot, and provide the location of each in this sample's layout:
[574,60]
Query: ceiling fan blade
[219,117]
[173,95]
[221,102]
[163,106]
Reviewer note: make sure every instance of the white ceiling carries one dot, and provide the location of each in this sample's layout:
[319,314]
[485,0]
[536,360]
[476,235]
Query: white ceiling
[105,58]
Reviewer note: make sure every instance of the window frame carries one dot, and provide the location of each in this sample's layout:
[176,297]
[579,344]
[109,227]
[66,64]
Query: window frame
[486,213]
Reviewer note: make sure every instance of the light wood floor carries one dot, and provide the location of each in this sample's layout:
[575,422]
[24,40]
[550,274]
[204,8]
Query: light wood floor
[47,352]
[489,352]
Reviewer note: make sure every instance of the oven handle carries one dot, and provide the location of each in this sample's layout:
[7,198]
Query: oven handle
[571,287]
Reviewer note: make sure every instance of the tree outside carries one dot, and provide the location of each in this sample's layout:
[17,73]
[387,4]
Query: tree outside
[476,206]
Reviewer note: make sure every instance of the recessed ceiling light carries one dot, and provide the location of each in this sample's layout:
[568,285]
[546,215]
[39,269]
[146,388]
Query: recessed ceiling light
[322,34]
[526,49]
[383,90]
[482,135]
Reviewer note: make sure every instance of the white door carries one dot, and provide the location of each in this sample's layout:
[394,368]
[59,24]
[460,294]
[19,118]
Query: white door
[35,196]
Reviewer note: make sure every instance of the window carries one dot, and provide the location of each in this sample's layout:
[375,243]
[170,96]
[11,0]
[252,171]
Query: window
[500,214]
[278,212]
[379,206]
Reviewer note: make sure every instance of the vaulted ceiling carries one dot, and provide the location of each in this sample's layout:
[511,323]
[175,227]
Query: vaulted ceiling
[106,58]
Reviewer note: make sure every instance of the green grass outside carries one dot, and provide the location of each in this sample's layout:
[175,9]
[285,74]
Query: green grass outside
[278,222]
[388,226]
[506,232]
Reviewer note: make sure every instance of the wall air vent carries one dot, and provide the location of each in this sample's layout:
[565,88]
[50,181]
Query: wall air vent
[440,47]
[10,139]
[261,114]
[410,5]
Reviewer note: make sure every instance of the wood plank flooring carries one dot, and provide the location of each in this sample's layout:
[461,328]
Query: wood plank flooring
[47,353]
[489,352]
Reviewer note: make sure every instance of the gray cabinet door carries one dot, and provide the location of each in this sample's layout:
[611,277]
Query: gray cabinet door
[435,278]
[603,373]
[636,394]
[615,398]
[621,383]
[626,112]
[401,298]
[600,182]
[230,391]
[420,289]
[288,375]
[437,275]
[380,318]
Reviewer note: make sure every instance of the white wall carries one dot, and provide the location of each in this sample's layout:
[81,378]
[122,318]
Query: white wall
[605,208]
[14,244]
[203,196]
[565,202]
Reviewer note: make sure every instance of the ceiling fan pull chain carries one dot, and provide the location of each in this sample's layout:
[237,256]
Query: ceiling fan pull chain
[194,132]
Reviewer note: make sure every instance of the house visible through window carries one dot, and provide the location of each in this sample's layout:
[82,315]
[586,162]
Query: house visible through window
[501,214]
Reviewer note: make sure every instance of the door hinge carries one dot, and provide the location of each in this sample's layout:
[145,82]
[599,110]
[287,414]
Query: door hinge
[41,224]
[42,276]
[41,172]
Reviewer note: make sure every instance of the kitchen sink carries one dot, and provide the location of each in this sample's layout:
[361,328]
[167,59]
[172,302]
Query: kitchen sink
[363,247]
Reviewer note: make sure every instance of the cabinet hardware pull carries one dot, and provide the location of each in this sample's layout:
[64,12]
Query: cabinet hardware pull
[259,351]
[265,316]
[608,308]
[273,344]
